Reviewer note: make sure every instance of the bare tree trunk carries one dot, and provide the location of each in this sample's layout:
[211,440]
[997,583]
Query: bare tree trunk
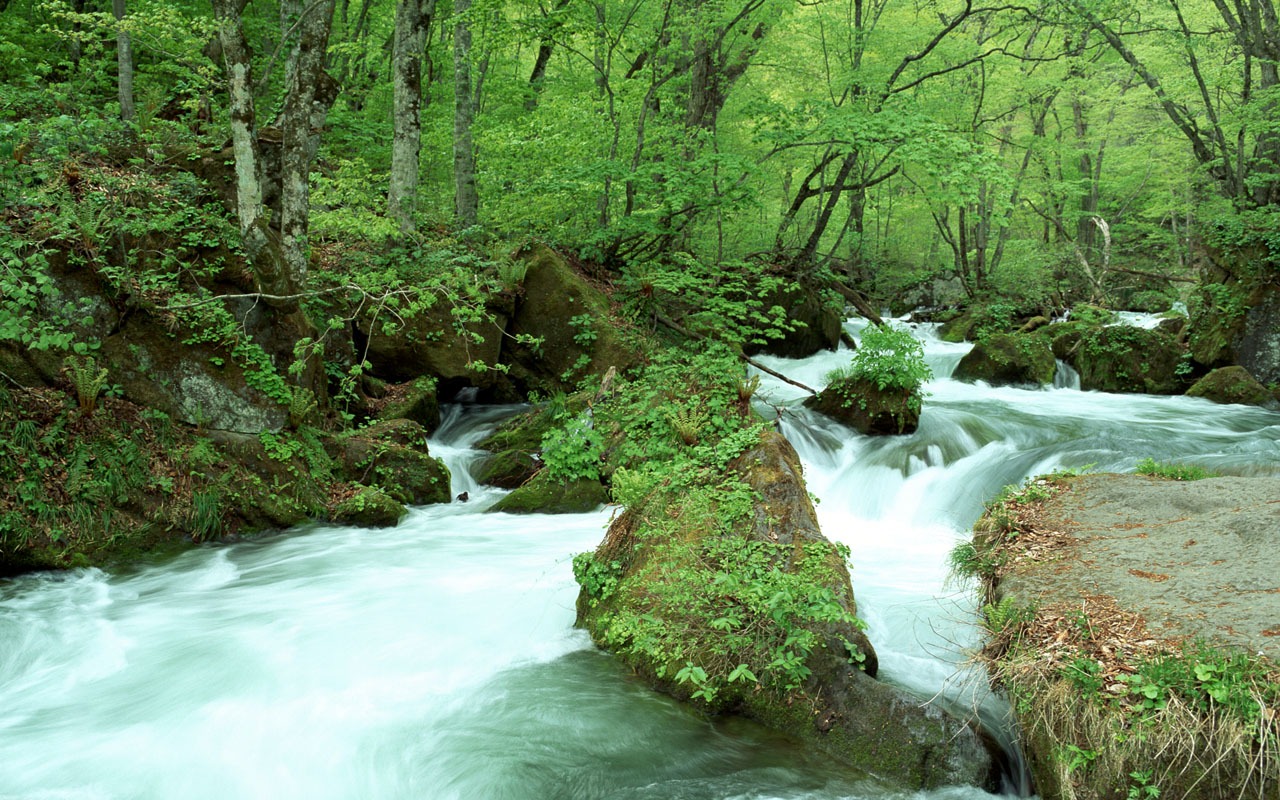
[238,62]
[309,93]
[124,63]
[412,17]
[466,200]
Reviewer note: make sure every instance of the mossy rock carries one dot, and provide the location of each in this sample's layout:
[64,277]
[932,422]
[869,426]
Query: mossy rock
[508,469]
[818,324]
[1232,385]
[1008,359]
[1121,358]
[382,456]
[651,570]
[868,409]
[419,402]
[369,507]
[545,496]
[573,321]
[1064,340]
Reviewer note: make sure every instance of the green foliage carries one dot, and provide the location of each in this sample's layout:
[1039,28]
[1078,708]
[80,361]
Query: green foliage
[1174,472]
[88,380]
[1211,680]
[573,452]
[892,359]
[1005,617]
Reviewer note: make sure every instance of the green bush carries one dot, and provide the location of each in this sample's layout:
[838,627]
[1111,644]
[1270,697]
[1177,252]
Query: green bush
[890,358]
[1174,472]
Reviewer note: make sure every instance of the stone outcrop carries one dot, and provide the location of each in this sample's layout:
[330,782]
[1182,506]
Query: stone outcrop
[867,408]
[1113,604]
[1233,385]
[1008,360]
[818,324]
[656,553]
[1121,358]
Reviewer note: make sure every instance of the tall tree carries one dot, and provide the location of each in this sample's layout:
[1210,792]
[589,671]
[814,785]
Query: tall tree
[412,20]
[309,92]
[466,198]
[124,63]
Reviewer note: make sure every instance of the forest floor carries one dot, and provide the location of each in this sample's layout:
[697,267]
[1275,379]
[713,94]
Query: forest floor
[1144,561]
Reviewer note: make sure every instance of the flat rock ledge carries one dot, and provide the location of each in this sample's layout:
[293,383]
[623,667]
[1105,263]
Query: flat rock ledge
[1110,573]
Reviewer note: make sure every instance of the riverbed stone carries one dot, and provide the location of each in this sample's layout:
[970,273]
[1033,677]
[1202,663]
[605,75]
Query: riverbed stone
[1008,360]
[1233,385]
[369,507]
[543,495]
[868,409]
[1123,358]
[638,573]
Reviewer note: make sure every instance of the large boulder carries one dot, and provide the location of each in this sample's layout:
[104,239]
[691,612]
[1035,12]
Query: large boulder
[865,407]
[1233,385]
[437,343]
[729,596]
[818,323]
[1121,358]
[569,318]
[543,495]
[393,457]
[1007,359]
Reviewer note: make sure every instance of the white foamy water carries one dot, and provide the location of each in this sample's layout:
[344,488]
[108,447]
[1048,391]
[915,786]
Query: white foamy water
[438,659]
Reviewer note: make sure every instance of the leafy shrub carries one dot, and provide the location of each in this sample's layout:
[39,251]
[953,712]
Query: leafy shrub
[573,452]
[890,358]
[1174,472]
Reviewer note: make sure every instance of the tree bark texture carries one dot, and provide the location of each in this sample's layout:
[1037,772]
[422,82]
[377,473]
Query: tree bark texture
[309,93]
[124,63]
[412,18]
[466,199]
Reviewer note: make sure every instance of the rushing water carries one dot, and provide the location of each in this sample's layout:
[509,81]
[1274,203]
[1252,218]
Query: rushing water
[438,659]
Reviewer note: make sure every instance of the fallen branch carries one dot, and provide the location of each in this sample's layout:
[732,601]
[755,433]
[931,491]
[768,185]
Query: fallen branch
[683,331]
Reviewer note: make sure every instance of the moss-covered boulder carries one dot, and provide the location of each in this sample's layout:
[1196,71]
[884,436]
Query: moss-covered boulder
[1008,359]
[1232,385]
[434,342]
[1121,358]
[369,507]
[393,457]
[572,320]
[508,469]
[724,593]
[417,401]
[818,323]
[543,495]
[865,407]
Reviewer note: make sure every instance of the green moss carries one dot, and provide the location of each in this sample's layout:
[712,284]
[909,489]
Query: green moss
[545,496]
[369,507]
[1004,359]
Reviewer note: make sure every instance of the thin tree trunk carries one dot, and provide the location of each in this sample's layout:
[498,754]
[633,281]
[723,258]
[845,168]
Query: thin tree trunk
[237,59]
[124,63]
[306,103]
[466,200]
[412,17]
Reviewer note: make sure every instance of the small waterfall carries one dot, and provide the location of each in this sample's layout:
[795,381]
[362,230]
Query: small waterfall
[1065,376]
[439,659]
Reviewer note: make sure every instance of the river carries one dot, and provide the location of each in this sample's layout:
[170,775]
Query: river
[438,659]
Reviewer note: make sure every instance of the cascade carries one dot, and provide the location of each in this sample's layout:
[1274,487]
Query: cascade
[437,659]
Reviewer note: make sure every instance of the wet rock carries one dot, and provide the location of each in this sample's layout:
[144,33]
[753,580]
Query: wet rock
[818,323]
[393,457]
[545,496]
[639,572]
[1233,385]
[1008,360]
[1120,358]
[369,507]
[868,409]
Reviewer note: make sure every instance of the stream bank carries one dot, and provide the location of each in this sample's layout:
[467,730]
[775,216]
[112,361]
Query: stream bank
[1135,622]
